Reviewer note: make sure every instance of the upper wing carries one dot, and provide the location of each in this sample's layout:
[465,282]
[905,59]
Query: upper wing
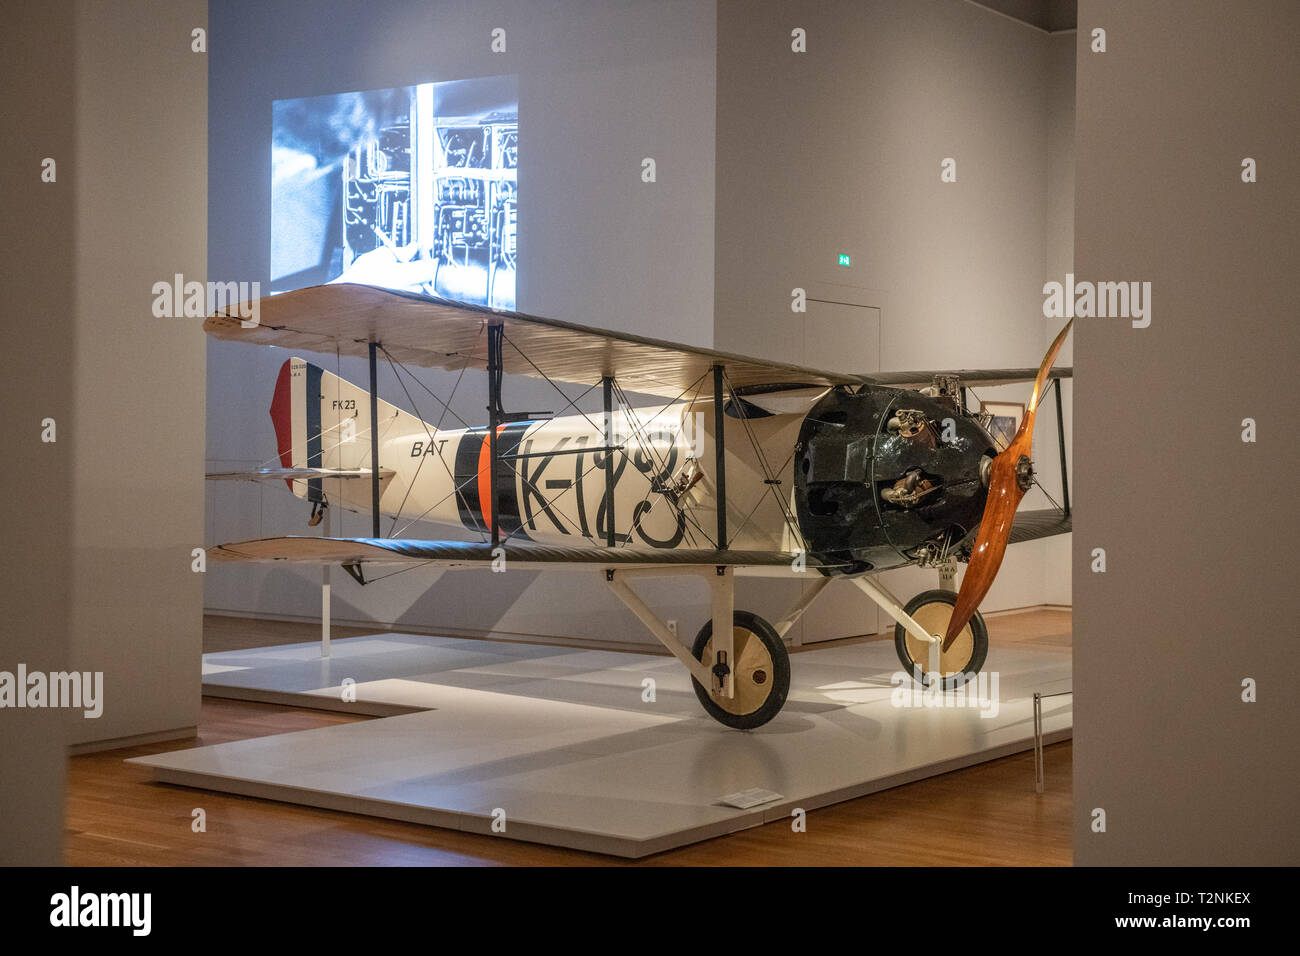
[982,376]
[454,554]
[437,333]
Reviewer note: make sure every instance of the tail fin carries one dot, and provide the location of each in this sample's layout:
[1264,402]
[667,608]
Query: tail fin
[282,418]
[323,421]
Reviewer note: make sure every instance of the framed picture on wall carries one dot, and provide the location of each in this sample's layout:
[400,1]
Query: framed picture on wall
[1005,420]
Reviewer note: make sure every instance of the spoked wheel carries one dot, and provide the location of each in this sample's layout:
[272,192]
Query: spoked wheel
[760,672]
[963,660]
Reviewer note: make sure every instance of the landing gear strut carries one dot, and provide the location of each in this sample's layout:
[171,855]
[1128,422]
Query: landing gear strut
[761,675]
[742,675]
[918,634]
[961,661]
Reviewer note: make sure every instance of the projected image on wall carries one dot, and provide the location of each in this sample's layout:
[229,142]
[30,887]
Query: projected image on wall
[411,188]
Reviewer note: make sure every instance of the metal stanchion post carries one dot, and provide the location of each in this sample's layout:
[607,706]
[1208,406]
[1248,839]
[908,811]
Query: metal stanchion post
[1038,742]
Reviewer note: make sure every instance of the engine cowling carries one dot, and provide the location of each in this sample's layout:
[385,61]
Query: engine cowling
[881,474]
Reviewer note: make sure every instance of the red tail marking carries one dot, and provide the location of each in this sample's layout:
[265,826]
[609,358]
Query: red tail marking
[282,419]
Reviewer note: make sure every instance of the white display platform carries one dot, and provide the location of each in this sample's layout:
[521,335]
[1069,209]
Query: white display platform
[562,741]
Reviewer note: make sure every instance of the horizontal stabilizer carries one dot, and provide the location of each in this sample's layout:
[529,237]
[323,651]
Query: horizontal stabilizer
[285,474]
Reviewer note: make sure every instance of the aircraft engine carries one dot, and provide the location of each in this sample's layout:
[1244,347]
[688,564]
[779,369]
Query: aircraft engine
[885,477]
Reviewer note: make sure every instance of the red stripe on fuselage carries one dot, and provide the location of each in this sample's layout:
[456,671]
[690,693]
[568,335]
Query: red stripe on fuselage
[485,476]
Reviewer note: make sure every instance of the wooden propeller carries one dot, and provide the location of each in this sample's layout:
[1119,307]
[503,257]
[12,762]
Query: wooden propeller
[1009,478]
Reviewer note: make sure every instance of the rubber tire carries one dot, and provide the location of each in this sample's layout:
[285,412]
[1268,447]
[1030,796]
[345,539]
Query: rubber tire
[979,635]
[780,678]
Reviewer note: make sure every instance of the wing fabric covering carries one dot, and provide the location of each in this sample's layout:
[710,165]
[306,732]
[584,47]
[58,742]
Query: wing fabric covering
[319,550]
[968,376]
[1032,525]
[431,332]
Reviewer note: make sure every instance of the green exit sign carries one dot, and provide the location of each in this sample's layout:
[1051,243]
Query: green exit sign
[844,258]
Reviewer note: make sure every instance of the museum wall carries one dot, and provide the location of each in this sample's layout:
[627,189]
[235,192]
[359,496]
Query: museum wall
[837,150]
[1197,598]
[37,48]
[601,86]
[104,501]
[137,436]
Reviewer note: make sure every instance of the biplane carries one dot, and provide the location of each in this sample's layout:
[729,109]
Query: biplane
[732,465]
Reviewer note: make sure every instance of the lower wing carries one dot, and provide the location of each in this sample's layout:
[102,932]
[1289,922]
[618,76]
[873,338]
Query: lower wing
[465,554]
[1032,525]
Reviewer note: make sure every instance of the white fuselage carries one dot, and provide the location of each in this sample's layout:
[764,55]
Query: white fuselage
[551,474]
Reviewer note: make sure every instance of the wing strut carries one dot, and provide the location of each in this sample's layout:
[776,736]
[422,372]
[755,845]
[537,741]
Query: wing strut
[720,456]
[1060,440]
[495,333]
[374,443]
[607,383]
